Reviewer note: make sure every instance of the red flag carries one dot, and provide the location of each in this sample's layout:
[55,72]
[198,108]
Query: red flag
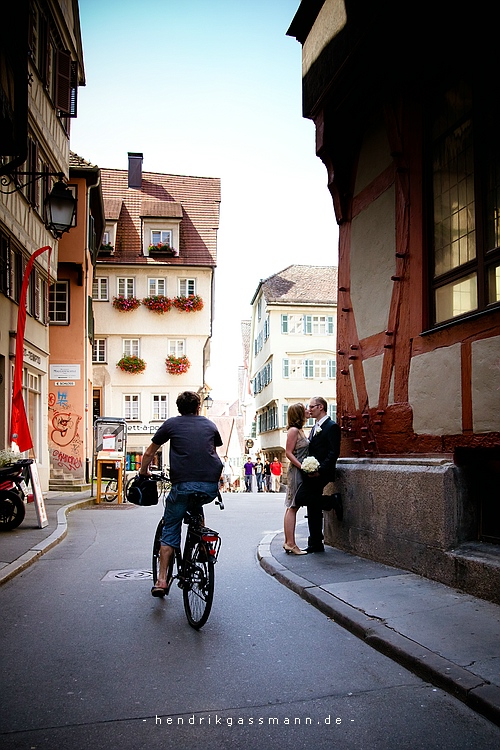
[19,427]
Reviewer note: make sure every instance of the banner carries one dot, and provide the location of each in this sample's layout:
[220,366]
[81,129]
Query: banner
[19,427]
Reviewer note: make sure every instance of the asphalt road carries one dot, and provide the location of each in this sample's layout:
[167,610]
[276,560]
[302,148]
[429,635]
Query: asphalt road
[91,660]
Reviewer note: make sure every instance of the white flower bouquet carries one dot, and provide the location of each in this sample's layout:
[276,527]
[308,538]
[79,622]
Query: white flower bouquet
[310,465]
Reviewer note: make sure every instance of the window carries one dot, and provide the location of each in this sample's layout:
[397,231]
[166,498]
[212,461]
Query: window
[130,347]
[332,411]
[157,286]
[187,287]
[131,406]
[308,366]
[177,347]
[59,303]
[319,369]
[100,288]
[465,267]
[105,239]
[99,350]
[308,324]
[160,404]
[126,287]
[161,237]
[268,419]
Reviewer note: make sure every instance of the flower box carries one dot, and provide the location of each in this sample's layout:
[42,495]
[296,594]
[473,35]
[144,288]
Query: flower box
[177,365]
[132,364]
[192,303]
[107,249]
[157,303]
[162,249]
[124,304]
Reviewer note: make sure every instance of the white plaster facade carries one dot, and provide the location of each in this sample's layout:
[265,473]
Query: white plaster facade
[292,349]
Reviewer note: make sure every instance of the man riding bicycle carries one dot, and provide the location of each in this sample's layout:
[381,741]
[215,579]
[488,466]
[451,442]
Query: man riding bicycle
[195,467]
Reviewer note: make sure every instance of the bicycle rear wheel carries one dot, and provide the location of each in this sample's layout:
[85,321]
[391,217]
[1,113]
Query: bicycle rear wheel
[156,559]
[199,578]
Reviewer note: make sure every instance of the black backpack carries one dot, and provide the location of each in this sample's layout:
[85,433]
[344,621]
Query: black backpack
[143,491]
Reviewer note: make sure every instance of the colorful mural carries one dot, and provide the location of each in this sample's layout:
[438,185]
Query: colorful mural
[65,441]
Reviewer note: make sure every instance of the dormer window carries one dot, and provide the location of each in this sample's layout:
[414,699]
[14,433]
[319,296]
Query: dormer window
[161,228]
[161,237]
[108,240]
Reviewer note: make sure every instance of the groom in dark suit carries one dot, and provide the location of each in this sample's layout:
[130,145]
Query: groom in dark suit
[324,445]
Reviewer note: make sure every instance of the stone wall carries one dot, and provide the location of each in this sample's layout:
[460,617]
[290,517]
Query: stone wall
[414,514]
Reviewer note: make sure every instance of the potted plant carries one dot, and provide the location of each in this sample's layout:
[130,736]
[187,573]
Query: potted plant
[158,303]
[177,365]
[131,363]
[191,303]
[107,248]
[126,303]
[164,248]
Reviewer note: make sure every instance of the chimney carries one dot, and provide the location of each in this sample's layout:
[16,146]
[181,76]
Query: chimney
[134,170]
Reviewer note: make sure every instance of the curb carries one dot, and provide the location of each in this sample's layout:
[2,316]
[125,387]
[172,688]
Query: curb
[28,558]
[479,695]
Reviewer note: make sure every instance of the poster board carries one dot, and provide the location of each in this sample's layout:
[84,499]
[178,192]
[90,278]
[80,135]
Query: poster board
[41,512]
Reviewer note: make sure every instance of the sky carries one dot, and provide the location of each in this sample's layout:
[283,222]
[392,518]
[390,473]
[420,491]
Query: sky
[212,88]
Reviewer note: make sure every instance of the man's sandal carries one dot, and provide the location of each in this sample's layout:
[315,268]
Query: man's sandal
[158,590]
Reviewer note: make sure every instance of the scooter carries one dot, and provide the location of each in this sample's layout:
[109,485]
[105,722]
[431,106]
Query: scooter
[14,493]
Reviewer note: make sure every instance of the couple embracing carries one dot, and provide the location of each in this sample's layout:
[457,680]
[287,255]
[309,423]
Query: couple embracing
[307,488]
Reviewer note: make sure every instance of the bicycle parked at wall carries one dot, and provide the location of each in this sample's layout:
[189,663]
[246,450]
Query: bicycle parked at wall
[194,564]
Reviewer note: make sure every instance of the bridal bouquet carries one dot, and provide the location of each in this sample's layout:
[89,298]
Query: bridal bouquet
[310,465]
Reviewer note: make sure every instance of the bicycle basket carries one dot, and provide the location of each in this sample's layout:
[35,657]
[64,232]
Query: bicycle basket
[143,491]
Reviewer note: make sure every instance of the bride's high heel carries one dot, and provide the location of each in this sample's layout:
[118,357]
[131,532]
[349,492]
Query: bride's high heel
[293,550]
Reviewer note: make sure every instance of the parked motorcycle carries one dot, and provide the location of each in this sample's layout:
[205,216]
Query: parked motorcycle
[14,493]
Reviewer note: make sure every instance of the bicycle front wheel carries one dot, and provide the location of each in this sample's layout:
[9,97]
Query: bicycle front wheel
[156,559]
[198,590]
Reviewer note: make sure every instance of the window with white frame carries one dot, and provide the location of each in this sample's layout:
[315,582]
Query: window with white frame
[99,350]
[105,239]
[156,287]
[308,324]
[130,347]
[187,287]
[177,347]
[160,406]
[100,288]
[317,368]
[59,303]
[162,237]
[332,411]
[125,286]
[131,406]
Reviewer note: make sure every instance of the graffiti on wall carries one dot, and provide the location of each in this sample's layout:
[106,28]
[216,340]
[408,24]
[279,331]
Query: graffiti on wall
[65,442]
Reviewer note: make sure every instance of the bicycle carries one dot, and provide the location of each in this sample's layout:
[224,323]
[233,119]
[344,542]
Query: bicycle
[195,572]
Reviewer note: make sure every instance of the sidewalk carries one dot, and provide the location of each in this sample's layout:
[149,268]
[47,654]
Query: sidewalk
[21,547]
[446,637]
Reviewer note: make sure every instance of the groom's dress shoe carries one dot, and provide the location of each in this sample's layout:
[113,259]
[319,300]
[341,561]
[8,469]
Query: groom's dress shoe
[315,548]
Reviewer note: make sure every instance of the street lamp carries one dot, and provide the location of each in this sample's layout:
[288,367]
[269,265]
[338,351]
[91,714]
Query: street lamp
[208,401]
[60,204]
[60,209]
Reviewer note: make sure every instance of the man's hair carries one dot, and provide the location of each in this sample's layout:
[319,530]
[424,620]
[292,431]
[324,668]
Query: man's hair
[321,400]
[296,416]
[188,402]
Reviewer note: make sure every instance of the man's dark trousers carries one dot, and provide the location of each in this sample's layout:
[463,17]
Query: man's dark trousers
[325,447]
